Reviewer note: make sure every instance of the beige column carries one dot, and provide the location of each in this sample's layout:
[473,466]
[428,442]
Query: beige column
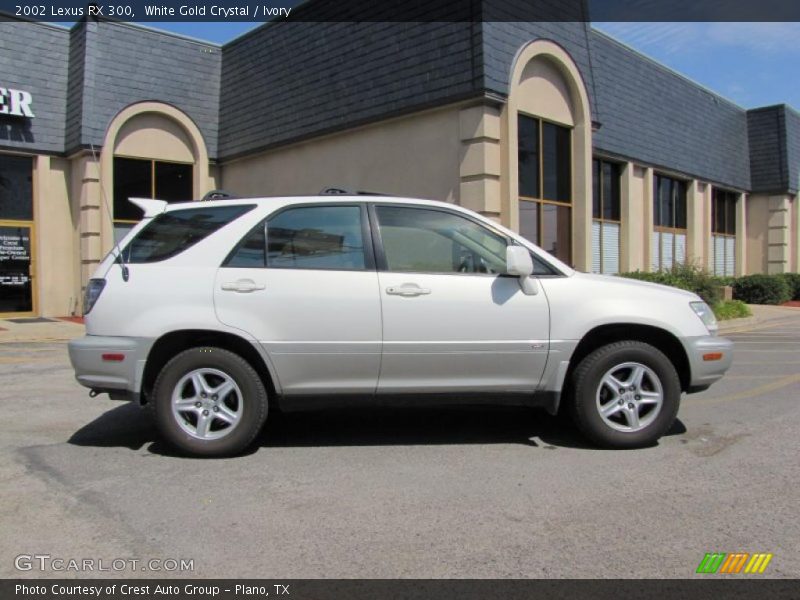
[695,223]
[582,196]
[86,187]
[631,243]
[647,221]
[741,236]
[708,244]
[480,166]
[795,267]
[58,294]
[778,234]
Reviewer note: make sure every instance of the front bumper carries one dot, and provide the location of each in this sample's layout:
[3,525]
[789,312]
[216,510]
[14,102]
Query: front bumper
[121,379]
[704,371]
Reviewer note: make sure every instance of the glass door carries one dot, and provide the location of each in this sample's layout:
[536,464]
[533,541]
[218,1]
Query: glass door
[17,260]
[17,269]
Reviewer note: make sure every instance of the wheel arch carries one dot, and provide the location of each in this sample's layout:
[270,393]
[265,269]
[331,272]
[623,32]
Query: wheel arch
[170,344]
[659,338]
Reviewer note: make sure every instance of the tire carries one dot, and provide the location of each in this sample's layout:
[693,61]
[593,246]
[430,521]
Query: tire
[209,402]
[625,395]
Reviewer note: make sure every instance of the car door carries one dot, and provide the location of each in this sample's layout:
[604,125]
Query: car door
[452,320]
[303,283]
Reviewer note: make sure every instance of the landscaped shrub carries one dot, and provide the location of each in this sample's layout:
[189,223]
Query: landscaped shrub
[762,289]
[731,309]
[685,277]
[793,279]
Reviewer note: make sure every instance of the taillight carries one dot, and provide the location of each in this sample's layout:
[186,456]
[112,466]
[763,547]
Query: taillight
[92,293]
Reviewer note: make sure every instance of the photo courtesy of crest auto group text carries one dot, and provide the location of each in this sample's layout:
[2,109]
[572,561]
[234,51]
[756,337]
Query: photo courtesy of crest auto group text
[333,299]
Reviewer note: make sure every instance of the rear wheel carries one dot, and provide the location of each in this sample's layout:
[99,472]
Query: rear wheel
[625,395]
[209,402]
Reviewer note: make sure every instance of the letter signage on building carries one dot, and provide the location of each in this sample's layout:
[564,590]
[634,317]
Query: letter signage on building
[16,103]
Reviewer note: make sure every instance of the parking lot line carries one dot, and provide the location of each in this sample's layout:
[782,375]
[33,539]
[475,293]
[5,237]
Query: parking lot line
[756,391]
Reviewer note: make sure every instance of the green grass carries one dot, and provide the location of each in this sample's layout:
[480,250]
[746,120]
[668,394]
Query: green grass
[731,309]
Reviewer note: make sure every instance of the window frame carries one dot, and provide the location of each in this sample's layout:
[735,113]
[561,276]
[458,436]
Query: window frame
[727,196]
[152,195]
[675,231]
[602,219]
[380,256]
[541,200]
[366,234]
[124,255]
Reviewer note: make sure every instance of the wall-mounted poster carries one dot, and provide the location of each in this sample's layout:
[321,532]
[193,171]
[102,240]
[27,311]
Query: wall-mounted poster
[16,290]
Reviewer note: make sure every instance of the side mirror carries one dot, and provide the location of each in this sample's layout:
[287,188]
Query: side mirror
[518,261]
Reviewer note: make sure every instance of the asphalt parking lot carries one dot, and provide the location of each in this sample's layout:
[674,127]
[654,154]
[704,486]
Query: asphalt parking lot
[417,493]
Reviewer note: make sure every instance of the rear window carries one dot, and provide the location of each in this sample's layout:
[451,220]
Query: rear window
[171,233]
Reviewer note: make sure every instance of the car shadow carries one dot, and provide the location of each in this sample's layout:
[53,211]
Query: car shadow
[128,426]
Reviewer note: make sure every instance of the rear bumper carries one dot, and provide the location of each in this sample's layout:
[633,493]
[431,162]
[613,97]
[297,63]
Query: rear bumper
[122,379]
[704,371]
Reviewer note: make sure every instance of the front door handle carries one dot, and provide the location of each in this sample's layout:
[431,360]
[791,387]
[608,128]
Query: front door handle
[243,286]
[407,289]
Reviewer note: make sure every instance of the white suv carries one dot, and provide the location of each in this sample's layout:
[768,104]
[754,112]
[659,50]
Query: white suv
[214,312]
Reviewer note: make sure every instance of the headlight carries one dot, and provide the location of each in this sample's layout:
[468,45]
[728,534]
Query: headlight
[92,293]
[703,310]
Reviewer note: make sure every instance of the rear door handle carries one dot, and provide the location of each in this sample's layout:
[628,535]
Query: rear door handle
[243,286]
[408,290]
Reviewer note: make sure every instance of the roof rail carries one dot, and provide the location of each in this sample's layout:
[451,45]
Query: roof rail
[218,195]
[335,191]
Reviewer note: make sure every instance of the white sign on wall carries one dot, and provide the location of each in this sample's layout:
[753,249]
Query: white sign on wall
[16,103]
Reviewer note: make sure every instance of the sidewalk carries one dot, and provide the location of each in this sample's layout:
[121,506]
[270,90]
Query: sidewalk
[762,314]
[39,330]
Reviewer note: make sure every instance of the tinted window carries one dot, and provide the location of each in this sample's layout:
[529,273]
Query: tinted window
[171,233]
[611,193]
[669,202]
[140,178]
[556,163]
[316,237]
[173,181]
[723,212]
[251,252]
[529,220]
[132,179]
[605,190]
[16,190]
[597,187]
[528,134]
[433,241]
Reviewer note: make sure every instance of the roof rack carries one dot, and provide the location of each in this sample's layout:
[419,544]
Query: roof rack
[218,195]
[335,191]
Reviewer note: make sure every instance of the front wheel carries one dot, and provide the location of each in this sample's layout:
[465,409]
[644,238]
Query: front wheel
[209,402]
[625,395]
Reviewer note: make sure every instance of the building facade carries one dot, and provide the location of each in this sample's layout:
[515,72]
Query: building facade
[600,155]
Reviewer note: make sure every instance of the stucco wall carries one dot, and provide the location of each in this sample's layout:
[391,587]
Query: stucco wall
[413,156]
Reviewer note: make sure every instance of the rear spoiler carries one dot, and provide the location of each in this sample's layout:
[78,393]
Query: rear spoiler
[150,207]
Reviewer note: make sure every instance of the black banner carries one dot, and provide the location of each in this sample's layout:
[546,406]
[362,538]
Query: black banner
[406,589]
[69,11]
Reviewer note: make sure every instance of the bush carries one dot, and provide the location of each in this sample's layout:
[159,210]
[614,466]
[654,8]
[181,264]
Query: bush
[762,289]
[731,309]
[793,279]
[685,277]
